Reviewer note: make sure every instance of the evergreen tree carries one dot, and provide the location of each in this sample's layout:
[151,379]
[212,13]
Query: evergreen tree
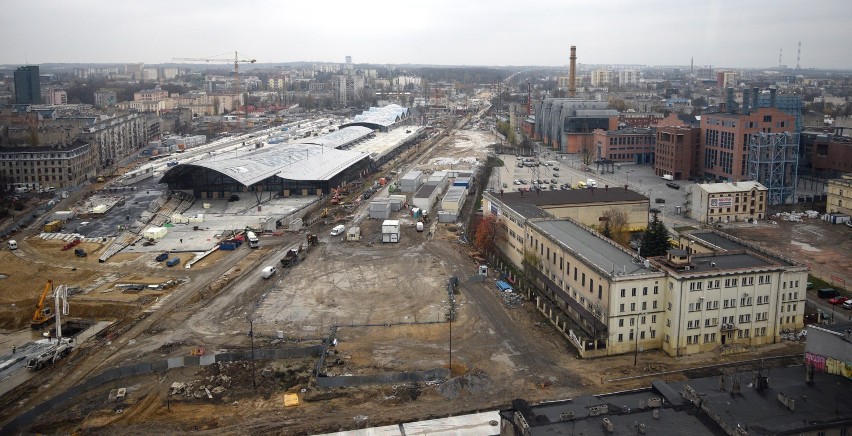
[655,241]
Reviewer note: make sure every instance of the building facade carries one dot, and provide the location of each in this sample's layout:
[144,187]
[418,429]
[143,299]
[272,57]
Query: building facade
[568,124]
[155,94]
[726,202]
[726,138]
[116,138]
[54,96]
[27,85]
[58,166]
[840,195]
[601,77]
[625,145]
[105,99]
[676,151]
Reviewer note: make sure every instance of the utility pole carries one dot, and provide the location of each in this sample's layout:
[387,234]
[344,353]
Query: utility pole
[251,334]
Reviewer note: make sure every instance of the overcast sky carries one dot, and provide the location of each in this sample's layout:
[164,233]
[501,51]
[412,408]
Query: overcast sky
[721,33]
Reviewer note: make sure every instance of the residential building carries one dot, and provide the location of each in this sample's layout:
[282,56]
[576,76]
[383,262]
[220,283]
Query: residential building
[676,151]
[105,98]
[586,206]
[157,106]
[58,166]
[155,94]
[116,138]
[634,145]
[54,96]
[278,82]
[726,79]
[840,195]
[725,202]
[27,85]
[641,120]
[628,77]
[601,77]
[568,124]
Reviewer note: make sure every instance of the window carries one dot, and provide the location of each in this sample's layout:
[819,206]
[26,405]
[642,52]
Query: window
[623,292]
[632,322]
[731,283]
[748,281]
[654,304]
[621,322]
[621,307]
[656,289]
[745,318]
[653,334]
[668,323]
[670,306]
[695,286]
[645,290]
[653,319]
[620,337]
[633,292]
[632,307]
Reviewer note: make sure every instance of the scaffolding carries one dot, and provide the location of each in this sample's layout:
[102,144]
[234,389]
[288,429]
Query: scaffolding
[773,161]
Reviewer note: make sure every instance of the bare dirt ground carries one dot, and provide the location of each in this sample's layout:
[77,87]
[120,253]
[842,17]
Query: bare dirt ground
[825,248]
[381,297]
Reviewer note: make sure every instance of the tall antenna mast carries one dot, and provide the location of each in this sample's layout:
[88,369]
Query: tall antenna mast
[799,56]
[780,53]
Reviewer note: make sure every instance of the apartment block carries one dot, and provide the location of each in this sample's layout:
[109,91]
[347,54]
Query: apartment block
[117,137]
[58,166]
[726,202]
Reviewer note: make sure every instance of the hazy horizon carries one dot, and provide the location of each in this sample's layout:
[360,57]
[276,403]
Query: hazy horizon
[721,33]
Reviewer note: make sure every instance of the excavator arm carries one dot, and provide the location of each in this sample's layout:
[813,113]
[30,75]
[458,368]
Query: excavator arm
[39,317]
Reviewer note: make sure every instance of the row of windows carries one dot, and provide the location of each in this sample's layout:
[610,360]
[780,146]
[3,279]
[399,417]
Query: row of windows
[733,282]
[654,304]
[651,333]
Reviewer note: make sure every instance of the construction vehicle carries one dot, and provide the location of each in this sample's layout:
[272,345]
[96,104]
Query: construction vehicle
[42,314]
[312,239]
[291,258]
[324,213]
[63,346]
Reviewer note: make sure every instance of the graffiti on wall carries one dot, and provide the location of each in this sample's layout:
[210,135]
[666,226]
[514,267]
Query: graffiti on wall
[829,365]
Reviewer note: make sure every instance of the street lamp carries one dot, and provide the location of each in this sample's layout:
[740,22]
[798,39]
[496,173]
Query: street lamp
[251,334]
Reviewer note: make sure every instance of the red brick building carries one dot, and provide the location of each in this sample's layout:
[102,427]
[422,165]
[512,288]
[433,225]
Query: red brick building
[625,145]
[677,151]
[725,140]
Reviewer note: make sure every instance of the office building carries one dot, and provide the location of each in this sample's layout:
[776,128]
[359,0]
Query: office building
[27,85]
[725,202]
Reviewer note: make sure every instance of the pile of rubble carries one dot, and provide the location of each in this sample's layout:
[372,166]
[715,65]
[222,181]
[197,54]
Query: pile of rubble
[512,299]
[796,216]
[476,383]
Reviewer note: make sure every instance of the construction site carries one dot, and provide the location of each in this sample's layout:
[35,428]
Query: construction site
[235,310]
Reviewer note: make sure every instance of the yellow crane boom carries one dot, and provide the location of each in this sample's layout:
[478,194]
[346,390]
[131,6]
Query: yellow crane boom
[236,62]
[42,316]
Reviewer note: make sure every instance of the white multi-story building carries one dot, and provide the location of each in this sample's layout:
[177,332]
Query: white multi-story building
[725,202]
[714,293]
[116,137]
[54,96]
[601,77]
[628,77]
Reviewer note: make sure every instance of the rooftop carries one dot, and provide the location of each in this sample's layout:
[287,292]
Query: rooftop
[726,261]
[341,138]
[541,199]
[817,406]
[593,247]
[715,188]
[718,240]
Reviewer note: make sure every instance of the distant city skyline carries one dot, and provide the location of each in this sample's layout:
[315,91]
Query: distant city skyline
[721,33]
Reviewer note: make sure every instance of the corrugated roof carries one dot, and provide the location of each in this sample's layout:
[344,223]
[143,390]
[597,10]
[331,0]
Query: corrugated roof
[342,137]
[383,116]
[287,161]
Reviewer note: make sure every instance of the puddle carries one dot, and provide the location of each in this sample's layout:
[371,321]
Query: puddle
[804,246]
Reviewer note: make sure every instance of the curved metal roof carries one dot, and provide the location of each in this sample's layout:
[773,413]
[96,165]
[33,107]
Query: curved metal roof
[287,161]
[384,116]
[342,137]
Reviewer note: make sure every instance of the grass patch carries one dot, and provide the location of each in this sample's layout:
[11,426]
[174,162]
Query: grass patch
[819,283]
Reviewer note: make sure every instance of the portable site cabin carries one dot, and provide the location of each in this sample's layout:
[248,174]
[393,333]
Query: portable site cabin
[353,234]
[390,231]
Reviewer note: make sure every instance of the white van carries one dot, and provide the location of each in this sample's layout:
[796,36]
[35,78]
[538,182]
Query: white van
[268,272]
[253,242]
[338,230]
[13,244]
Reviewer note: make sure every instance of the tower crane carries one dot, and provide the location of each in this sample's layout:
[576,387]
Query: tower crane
[237,61]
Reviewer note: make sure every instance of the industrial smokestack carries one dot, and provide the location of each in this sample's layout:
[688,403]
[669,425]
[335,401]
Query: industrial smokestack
[772,91]
[572,73]
[746,107]
[755,95]
[729,102]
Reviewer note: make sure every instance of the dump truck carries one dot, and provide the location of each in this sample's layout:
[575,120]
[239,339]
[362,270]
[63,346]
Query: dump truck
[53,227]
[291,258]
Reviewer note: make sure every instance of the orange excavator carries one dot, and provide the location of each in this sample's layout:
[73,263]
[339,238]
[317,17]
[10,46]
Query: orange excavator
[42,314]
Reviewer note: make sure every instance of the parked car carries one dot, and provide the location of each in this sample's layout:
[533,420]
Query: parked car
[837,300]
[162,256]
[555,168]
[673,185]
[552,181]
[79,252]
[847,304]
[268,272]
[827,293]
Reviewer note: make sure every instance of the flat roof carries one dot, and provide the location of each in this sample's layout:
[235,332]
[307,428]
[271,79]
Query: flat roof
[726,261]
[529,204]
[341,137]
[426,191]
[721,188]
[719,241]
[383,143]
[593,248]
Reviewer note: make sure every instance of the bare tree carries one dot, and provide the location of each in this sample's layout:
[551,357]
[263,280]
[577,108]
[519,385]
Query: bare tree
[615,226]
